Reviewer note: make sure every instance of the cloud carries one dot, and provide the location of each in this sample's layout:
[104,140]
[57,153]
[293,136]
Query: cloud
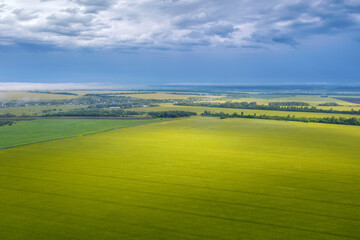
[222,30]
[94,6]
[174,24]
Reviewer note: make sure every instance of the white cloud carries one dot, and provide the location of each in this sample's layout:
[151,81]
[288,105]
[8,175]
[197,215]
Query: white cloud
[171,24]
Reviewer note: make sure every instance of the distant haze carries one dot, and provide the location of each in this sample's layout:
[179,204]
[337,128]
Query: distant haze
[21,86]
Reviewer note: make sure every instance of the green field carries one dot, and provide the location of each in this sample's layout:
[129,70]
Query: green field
[26,132]
[196,178]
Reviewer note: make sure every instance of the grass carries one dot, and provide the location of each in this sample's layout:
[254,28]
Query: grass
[45,129]
[197,178]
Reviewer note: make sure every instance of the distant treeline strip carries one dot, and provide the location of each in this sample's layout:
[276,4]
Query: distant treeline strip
[171,114]
[4,123]
[290,104]
[94,113]
[330,120]
[118,113]
[273,106]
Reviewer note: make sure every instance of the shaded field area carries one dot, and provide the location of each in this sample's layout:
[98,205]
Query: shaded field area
[196,178]
[352,100]
[25,132]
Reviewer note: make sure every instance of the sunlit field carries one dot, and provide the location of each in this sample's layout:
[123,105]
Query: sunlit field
[195,178]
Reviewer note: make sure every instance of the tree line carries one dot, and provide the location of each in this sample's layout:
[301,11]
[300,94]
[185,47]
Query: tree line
[330,120]
[94,113]
[118,113]
[294,104]
[171,114]
[255,106]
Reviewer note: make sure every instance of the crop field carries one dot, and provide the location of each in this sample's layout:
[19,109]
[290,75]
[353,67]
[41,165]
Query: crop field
[194,178]
[313,100]
[199,110]
[26,132]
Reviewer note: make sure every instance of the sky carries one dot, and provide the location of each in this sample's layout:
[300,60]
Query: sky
[154,42]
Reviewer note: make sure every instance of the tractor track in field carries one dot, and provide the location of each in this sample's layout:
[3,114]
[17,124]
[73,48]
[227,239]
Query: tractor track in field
[192,186]
[250,205]
[189,213]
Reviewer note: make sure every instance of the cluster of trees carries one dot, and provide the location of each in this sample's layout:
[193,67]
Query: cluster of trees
[294,104]
[94,113]
[331,120]
[254,105]
[7,115]
[4,123]
[331,104]
[171,114]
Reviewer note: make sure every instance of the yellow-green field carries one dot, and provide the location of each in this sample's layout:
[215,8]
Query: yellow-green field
[199,110]
[196,178]
[313,100]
